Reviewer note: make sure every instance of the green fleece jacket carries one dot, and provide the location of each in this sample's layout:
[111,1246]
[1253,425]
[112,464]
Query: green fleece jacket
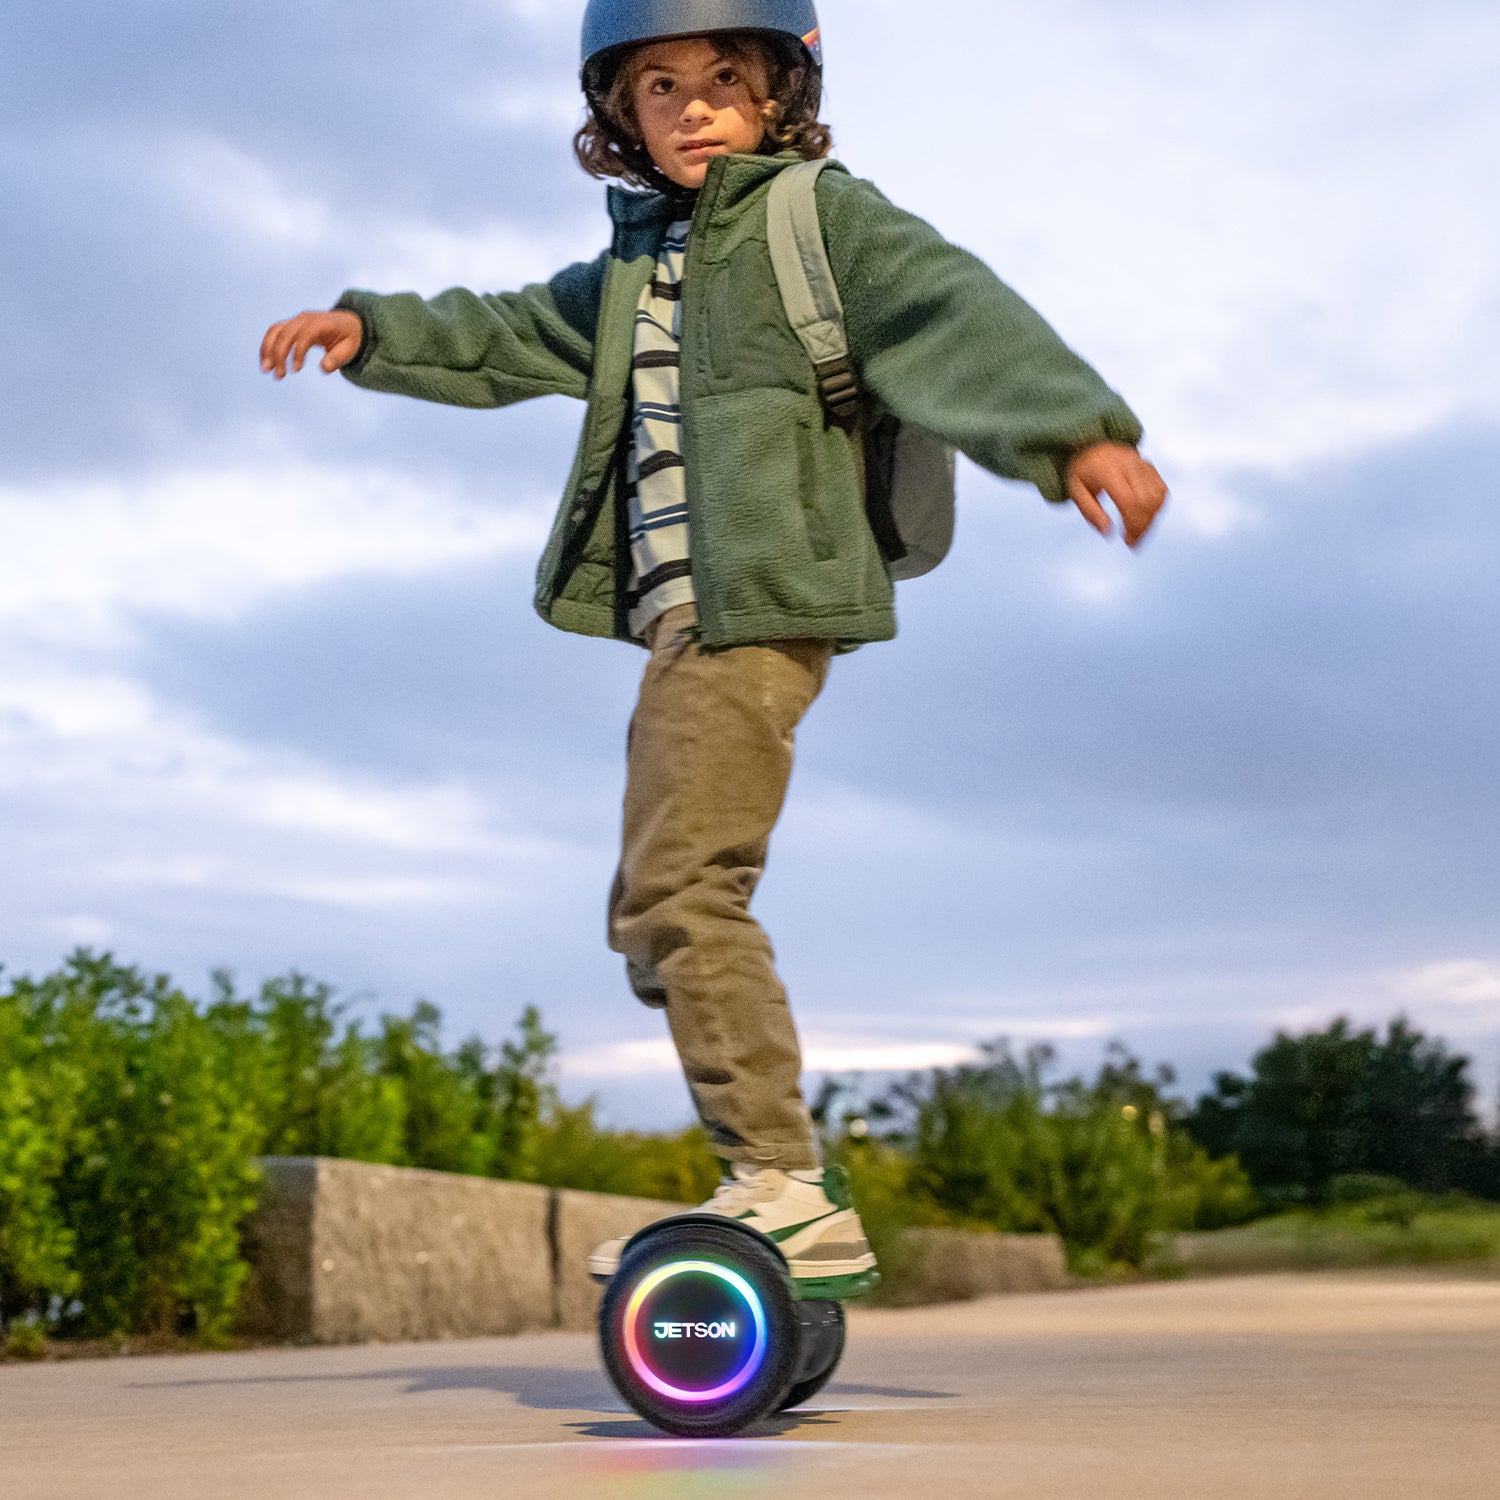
[781,547]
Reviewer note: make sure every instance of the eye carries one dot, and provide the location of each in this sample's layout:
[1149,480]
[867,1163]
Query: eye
[728,77]
[660,86]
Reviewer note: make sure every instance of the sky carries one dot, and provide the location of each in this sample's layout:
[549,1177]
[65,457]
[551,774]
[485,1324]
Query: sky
[272,695]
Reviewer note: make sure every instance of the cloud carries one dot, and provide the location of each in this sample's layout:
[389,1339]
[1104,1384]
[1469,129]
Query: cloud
[103,742]
[619,1060]
[556,106]
[1463,982]
[820,1054]
[95,563]
[1457,998]
[1258,220]
[234,194]
[1326,677]
[231,190]
[494,256]
[87,557]
[239,878]
[177,192]
[82,930]
[836,1055]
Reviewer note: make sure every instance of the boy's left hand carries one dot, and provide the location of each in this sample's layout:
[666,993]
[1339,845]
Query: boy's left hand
[1117,470]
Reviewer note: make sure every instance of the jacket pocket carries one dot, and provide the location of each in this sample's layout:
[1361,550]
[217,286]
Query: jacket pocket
[751,345]
[822,529]
[780,525]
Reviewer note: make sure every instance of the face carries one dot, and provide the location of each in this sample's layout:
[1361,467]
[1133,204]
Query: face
[694,104]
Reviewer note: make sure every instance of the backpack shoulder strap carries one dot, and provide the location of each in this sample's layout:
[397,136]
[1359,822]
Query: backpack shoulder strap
[808,291]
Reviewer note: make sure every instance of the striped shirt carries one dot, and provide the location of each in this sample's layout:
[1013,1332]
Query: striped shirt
[661,575]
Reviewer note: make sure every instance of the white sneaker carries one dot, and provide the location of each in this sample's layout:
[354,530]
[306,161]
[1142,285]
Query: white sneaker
[809,1216]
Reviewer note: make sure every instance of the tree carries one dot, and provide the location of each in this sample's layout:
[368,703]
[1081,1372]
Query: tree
[442,1106]
[1104,1164]
[38,1103]
[1336,1102]
[521,1098]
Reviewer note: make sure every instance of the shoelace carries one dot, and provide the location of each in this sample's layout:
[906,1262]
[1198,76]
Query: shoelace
[732,1197]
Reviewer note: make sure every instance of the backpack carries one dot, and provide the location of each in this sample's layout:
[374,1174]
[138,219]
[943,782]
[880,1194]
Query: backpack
[909,474]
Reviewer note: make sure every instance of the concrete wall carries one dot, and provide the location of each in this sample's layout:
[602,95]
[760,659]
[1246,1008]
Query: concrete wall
[582,1221]
[958,1265]
[342,1253]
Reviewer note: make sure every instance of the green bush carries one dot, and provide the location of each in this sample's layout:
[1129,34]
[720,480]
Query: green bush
[1399,1228]
[37,1103]
[130,1119]
[1104,1165]
[26,1338]
[1207,1193]
[518,1100]
[1363,1187]
[889,1203]
[574,1151]
[146,1142]
[309,1078]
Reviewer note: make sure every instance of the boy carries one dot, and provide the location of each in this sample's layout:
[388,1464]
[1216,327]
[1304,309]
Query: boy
[717,518]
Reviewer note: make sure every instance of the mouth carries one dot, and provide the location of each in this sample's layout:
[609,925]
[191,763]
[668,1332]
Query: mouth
[688,147]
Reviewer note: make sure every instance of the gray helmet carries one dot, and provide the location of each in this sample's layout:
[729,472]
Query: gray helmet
[610,24]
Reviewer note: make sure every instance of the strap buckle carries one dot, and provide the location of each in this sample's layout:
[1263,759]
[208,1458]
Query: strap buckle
[838,388]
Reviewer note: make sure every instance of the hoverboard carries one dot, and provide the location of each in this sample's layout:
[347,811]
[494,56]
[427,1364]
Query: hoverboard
[704,1333]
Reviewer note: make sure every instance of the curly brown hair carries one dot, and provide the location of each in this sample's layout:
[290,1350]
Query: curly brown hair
[609,143]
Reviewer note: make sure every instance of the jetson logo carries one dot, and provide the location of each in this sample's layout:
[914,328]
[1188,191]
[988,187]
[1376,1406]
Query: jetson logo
[696,1330]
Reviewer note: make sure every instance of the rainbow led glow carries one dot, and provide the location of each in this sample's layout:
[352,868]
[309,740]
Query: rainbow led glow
[637,1358]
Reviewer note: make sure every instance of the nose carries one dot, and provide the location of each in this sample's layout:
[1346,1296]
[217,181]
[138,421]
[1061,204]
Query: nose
[696,112]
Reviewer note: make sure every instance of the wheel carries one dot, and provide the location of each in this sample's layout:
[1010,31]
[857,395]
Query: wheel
[698,1327]
[822,1349]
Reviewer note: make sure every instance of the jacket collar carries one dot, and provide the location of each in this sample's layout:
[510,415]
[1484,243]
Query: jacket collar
[635,210]
[730,178]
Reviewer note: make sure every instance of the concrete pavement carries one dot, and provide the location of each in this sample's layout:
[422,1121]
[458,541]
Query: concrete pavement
[1309,1386]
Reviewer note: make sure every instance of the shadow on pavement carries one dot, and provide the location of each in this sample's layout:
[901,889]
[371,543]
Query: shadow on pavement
[897,1392]
[533,1386]
[624,1429]
[537,1387]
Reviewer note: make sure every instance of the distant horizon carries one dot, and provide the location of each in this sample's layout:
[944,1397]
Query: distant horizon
[629,1092]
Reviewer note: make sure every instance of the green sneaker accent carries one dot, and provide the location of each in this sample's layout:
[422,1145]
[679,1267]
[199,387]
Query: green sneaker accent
[834,1288]
[836,1187]
[778,1235]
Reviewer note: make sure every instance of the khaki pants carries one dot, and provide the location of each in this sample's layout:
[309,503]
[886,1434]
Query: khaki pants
[709,759]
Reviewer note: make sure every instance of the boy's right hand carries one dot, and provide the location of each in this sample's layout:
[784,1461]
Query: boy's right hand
[338,333]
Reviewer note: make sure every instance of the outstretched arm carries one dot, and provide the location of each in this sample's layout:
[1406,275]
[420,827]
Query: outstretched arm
[491,349]
[948,346]
[460,347]
[1116,470]
[338,333]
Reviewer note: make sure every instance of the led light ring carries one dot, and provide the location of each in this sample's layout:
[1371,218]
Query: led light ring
[638,1360]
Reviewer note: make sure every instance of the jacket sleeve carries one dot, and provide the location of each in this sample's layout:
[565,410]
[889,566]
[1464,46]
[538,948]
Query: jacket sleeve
[491,350]
[945,344]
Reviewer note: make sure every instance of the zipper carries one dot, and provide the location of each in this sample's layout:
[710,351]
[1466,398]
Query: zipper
[583,509]
[694,336]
